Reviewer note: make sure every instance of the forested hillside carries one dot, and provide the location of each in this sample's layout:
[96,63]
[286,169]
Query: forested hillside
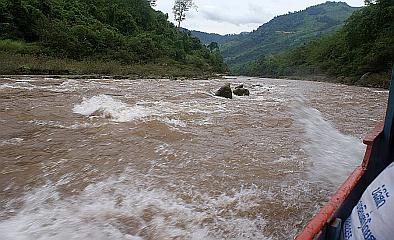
[361,53]
[120,31]
[281,33]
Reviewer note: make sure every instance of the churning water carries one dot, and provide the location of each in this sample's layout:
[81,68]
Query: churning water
[162,159]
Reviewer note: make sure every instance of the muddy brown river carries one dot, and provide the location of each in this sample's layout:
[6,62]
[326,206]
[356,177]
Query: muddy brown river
[165,159]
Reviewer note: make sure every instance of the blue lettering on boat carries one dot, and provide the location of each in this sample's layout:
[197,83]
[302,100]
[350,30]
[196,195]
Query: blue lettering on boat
[380,195]
[348,229]
[365,220]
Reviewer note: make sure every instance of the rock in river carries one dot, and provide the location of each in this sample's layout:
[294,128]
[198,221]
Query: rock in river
[225,91]
[241,91]
[239,86]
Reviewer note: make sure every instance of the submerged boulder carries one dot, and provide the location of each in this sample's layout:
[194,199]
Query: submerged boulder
[225,91]
[241,91]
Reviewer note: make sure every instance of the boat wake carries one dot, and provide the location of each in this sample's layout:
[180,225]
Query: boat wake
[333,155]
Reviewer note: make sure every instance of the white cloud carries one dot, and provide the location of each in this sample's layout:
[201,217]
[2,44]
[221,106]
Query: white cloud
[223,15]
[235,16]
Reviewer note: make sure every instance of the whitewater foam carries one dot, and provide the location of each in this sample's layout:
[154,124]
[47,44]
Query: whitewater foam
[127,208]
[18,85]
[108,107]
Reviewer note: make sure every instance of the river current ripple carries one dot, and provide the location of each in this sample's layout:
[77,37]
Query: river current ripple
[165,159]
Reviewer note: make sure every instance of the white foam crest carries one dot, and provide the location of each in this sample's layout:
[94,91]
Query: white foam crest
[226,211]
[106,210]
[268,99]
[69,85]
[12,141]
[57,124]
[18,85]
[203,108]
[380,91]
[175,122]
[4,86]
[25,84]
[126,208]
[84,125]
[108,107]
[54,124]
[333,155]
[243,200]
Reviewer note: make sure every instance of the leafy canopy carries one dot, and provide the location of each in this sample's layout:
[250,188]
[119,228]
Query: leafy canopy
[128,31]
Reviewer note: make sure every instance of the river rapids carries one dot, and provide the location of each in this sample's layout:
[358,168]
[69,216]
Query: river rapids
[166,159]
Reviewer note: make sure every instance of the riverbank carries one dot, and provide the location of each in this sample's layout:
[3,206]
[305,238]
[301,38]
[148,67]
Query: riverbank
[27,64]
[373,80]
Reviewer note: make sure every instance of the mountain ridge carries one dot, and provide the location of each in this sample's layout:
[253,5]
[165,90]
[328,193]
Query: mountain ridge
[280,33]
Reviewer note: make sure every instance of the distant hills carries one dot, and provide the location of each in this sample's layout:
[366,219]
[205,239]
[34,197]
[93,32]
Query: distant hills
[207,38]
[359,53]
[281,33]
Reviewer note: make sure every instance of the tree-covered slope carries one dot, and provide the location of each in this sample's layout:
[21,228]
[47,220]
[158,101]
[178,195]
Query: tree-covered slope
[363,47]
[286,31]
[127,31]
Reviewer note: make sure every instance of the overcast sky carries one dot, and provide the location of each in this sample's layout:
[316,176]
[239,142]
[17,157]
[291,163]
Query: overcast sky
[235,16]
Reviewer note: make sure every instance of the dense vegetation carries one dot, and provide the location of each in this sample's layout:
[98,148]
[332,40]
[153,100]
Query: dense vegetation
[362,52]
[281,33]
[124,32]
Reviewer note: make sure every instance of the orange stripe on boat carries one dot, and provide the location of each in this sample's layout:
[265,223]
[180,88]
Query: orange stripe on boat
[370,138]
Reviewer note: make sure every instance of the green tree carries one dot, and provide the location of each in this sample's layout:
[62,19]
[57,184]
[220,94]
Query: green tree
[180,8]
[152,3]
[213,46]
[369,2]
